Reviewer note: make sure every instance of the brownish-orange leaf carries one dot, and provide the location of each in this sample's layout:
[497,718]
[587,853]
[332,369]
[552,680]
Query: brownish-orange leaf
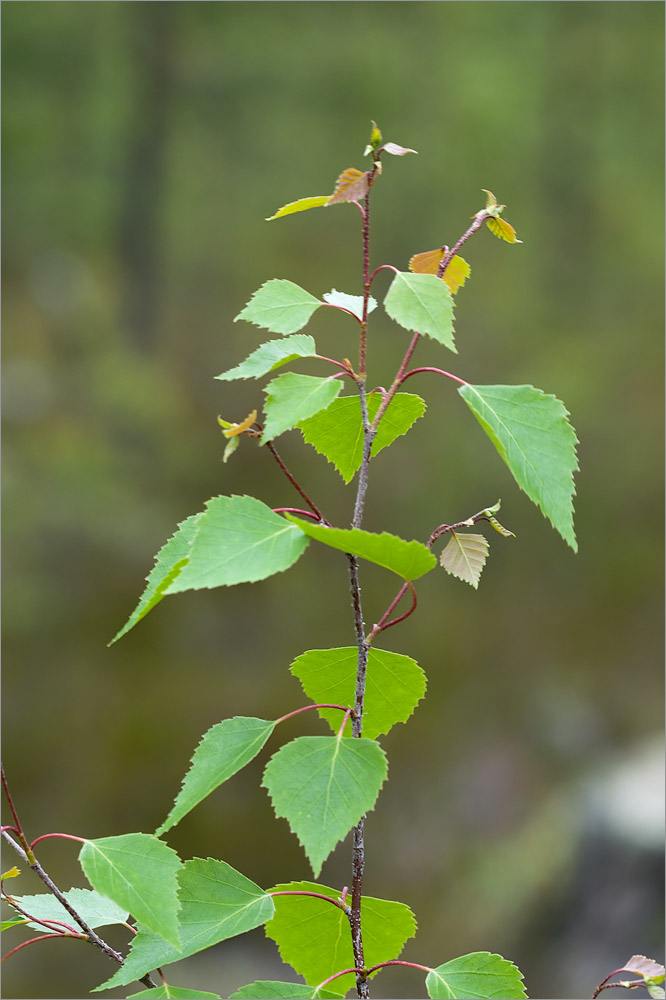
[427,262]
[503,230]
[457,271]
[352,185]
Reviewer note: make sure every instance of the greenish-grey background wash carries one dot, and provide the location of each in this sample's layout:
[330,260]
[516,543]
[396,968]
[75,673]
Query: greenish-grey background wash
[144,146]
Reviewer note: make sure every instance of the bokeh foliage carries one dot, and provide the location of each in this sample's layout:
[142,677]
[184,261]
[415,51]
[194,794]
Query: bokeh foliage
[144,146]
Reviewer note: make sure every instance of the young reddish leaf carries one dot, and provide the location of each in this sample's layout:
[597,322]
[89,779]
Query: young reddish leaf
[395,150]
[457,270]
[498,227]
[465,557]
[302,205]
[352,185]
[645,967]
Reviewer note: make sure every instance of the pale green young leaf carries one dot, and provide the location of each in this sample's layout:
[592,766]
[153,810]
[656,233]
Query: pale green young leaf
[217,903]
[6,925]
[424,304]
[95,909]
[265,989]
[238,540]
[409,560]
[280,306]
[465,556]
[354,303]
[169,561]
[230,447]
[322,785]
[478,976]
[302,205]
[532,433]
[138,872]
[313,936]
[271,355]
[223,751]
[166,991]
[291,398]
[394,685]
[337,431]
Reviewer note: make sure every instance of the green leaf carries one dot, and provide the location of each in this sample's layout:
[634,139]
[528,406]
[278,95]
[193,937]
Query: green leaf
[322,785]
[138,872]
[313,936]
[465,556]
[291,398]
[478,976]
[408,559]
[271,355]
[265,989]
[337,431]
[422,303]
[534,437]
[223,751]
[394,685]
[169,561]
[217,903]
[280,306]
[6,925]
[302,205]
[354,303]
[238,540]
[95,909]
[165,991]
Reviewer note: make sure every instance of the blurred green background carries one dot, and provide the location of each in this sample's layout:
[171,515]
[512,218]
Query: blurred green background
[144,145]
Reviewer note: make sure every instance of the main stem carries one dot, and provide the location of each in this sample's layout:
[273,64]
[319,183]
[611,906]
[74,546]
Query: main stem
[358,841]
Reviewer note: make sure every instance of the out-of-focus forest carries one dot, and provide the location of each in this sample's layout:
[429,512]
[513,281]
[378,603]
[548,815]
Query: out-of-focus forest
[144,146]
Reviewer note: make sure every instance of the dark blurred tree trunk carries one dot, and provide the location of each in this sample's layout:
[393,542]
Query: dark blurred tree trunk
[151,35]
